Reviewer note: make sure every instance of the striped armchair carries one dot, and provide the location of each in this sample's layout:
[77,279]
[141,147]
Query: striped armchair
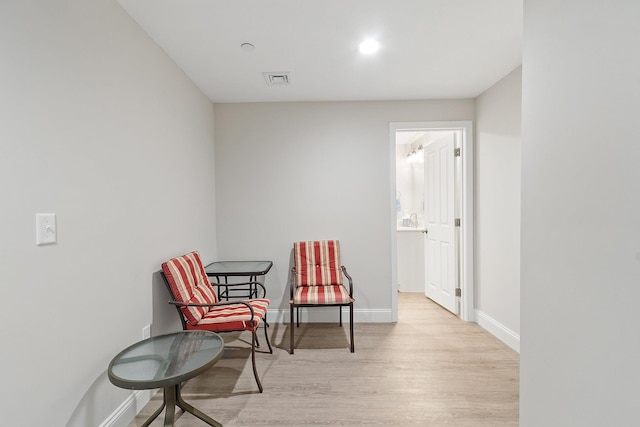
[317,281]
[199,308]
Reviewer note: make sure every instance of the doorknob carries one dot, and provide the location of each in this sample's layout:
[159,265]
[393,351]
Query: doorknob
[425,231]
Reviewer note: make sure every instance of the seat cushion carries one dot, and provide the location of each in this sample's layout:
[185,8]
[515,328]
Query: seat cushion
[332,294]
[234,317]
[317,263]
[189,284]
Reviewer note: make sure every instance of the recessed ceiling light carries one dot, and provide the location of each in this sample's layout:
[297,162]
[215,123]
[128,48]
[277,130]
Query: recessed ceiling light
[247,47]
[369,46]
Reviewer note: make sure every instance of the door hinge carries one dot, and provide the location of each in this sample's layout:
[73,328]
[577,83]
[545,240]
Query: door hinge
[459,292]
[457,222]
[456,152]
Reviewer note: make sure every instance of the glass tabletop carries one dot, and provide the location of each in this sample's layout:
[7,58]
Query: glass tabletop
[238,268]
[165,360]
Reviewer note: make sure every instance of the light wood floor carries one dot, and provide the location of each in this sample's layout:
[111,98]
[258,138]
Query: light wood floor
[429,369]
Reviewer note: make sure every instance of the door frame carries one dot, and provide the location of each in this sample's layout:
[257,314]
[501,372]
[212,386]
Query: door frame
[467,310]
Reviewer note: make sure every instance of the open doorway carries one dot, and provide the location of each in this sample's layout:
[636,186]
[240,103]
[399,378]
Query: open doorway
[432,220]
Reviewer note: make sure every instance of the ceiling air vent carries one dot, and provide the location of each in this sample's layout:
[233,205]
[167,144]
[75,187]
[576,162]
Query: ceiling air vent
[277,78]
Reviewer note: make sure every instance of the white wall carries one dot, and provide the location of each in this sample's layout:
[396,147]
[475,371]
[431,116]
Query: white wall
[297,171]
[580,210]
[101,128]
[497,191]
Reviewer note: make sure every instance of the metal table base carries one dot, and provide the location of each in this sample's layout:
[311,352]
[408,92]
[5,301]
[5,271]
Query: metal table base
[172,398]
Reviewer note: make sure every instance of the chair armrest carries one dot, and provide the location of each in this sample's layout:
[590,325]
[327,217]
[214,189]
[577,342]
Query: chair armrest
[215,304]
[344,270]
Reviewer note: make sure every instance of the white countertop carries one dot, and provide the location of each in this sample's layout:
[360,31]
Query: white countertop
[410,229]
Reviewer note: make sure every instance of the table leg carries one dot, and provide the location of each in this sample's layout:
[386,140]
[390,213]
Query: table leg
[173,398]
[189,408]
[154,415]
[253,289]
[170,401]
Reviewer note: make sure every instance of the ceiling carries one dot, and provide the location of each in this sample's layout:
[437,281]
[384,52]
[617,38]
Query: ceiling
[429,49]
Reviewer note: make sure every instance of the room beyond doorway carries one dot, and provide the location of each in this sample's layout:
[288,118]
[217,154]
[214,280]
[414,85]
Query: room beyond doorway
[410,218]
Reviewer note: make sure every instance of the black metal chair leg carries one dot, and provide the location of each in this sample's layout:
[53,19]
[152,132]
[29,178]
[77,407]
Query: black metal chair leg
[291,330]
[340,309]
[266,334]
[351,326]
[253,359]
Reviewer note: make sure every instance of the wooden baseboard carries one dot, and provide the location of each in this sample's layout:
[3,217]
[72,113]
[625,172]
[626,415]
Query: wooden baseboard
[500,331]
[127,411]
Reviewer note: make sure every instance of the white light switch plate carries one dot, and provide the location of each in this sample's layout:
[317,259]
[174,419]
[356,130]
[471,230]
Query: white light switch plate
[45,229]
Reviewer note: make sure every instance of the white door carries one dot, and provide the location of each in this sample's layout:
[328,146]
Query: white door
[440,239]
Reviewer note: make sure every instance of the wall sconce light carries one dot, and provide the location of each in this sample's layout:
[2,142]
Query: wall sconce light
[416,155]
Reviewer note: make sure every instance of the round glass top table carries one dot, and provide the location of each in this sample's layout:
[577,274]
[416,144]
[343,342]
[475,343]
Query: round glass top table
[166,361]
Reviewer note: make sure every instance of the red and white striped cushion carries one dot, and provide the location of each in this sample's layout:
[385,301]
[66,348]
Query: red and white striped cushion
[189,284]
[317,263]
[332,294]
[233,317]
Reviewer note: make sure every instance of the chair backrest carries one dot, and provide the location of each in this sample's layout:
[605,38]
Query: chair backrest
[317,263]
[189,284]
